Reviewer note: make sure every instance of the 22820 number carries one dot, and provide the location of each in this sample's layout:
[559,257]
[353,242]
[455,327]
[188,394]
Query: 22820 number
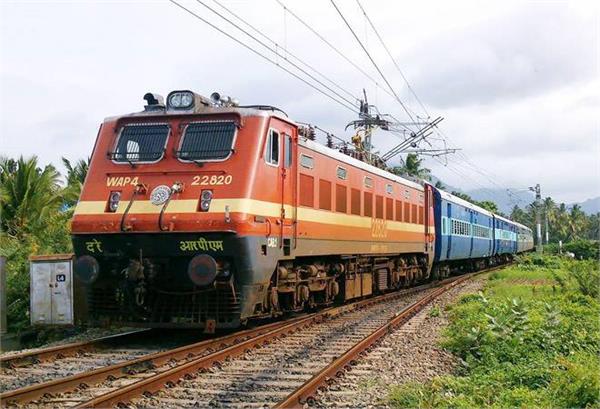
[212,180]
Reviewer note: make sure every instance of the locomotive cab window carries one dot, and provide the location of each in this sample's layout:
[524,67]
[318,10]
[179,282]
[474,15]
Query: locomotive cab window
[141,143]
[207,141]
[272,148]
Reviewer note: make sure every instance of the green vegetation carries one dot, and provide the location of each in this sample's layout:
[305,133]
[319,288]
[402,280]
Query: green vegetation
[530,339]
[411,166]
[35,209]
[565,224]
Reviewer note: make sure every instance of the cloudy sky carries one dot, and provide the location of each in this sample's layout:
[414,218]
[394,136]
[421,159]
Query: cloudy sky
[517,83]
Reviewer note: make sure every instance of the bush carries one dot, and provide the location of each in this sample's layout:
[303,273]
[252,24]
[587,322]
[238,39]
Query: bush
[55,238]
[536,351]
[584,249]
[587,275]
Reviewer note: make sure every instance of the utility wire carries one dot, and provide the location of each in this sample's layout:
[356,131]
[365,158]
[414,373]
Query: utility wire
[269,39]
[372,60]
[334,48]
[274,51]
[392,57]
[240,42]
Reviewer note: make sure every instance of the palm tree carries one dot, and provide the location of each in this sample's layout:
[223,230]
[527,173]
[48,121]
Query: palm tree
[577,222]
[440,185]
[28,194]
[75,178]
[561,223]
[489,206]
[412,167]
[76,174]
[593,229]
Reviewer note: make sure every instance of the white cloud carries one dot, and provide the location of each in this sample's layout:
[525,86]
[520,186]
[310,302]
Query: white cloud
[515,81]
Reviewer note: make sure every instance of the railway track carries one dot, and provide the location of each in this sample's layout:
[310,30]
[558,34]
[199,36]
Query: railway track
[308,391]
[265,365]
[42,364]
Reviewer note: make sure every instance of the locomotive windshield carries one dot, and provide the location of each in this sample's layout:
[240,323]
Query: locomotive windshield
[207,141]
[141,143]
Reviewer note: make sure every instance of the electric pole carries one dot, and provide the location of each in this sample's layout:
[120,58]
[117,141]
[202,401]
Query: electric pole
[538,216]
[546,222]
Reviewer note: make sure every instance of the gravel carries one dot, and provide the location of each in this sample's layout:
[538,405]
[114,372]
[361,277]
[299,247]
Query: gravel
[410,354]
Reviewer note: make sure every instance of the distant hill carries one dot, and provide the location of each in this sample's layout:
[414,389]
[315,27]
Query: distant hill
[591,206]
[502,198]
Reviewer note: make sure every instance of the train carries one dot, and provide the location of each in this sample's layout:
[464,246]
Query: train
[203,213]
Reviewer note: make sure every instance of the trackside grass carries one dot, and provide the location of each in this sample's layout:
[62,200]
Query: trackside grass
[530,339]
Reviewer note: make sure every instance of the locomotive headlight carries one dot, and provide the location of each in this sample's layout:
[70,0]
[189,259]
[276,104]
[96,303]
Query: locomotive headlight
[87,269]
[205,198]
[180,100]
[202,270]
[113,201]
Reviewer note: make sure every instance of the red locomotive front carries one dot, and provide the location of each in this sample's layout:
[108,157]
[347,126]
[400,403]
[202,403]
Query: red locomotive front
[203,213]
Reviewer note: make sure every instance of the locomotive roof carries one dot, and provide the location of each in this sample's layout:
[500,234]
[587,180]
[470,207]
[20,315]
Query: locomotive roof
[243,111]
[317,147]
[455,199]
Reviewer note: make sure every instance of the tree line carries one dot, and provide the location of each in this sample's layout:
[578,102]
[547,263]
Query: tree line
[564,223]
[36,206]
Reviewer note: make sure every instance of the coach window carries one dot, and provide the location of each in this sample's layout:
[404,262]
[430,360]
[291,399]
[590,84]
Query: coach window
[272,149]
[342,173]
[389,188]
[368,182]
[288,151]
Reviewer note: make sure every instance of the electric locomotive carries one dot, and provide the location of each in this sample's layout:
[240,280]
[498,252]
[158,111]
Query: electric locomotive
[199,212]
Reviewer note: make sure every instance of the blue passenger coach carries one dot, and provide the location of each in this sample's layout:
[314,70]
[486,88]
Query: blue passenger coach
[505,238]
[464,234]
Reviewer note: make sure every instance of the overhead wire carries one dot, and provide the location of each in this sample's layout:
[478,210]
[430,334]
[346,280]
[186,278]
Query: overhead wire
[372,60]
[240,42]
[410,88]
[333,47]
[274,51]
[294,56]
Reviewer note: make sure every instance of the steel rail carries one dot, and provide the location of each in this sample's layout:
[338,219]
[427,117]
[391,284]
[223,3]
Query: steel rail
[305,393]
[128,367]
[152,360]
[168,378]
[61,351]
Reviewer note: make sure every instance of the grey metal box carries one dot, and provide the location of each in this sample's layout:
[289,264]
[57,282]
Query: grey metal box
[51,289]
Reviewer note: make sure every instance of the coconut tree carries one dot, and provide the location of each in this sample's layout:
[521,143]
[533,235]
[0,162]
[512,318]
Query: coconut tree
[28,194]
[412,167]
[577,222]
[75,177]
